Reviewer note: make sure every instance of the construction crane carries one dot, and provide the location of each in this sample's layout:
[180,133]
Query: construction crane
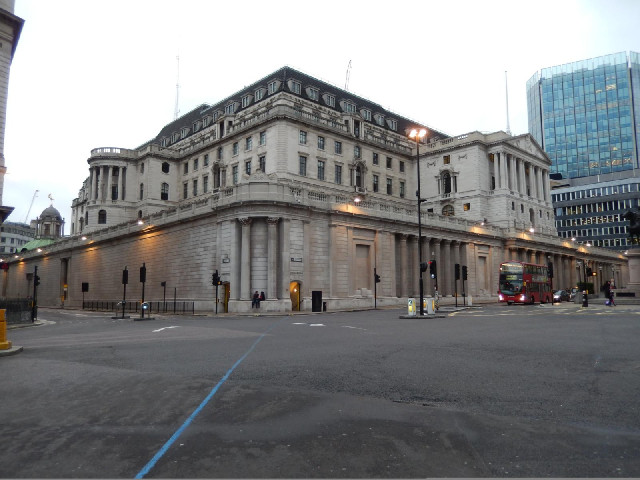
[26,219]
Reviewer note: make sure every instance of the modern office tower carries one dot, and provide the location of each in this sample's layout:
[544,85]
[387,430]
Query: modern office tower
[586,116]
[582,114]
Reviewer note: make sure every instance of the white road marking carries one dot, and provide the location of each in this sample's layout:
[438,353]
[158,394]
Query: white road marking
[165,328]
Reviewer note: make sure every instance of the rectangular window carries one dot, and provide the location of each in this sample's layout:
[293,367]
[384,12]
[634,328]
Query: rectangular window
[338,148]
[366,114]
[263,138]
[356,151]
[375,158]
[446,159]
[389,186]
[401,166]
[206,159]
[339,174]
[466,207]
[248,144]
[259,94]
[185,190]
[375,183]
[229,109]
[331,100]
[303,137]
[314,93]
[296,88]
[389,162]
[272,87]
[235,148]
[262,160]
[186,168]
[402,190]
[303,165]
[205,184]
[195,187]
[247,167]
[195,163]
[219,153]
[320,170]
[320,143]
[234,174]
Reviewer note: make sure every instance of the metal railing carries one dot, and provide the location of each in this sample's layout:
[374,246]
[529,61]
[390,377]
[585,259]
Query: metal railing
[176,308]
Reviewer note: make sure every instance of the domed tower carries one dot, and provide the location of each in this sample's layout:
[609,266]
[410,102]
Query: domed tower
[50,224]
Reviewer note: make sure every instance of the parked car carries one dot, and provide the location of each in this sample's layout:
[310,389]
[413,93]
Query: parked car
[561,296]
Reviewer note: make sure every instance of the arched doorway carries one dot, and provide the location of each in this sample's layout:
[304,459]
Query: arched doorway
[225,299]
[294,293]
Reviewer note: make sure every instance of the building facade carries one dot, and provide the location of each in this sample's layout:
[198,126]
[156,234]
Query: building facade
[14,236]
[10,29]
[586,116]
[297,188]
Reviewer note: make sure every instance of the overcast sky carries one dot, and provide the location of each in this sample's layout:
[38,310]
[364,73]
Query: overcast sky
[90,74]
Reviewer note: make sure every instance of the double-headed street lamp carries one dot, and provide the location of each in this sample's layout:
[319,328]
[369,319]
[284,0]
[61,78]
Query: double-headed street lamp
[418,134]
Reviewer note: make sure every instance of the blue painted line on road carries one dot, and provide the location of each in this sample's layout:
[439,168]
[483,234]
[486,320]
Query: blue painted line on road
[195,413]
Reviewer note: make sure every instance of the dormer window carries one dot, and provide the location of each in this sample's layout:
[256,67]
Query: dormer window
[272,87]
[379,119]
[393,124]
[246,101]
[183,132]
[164,142]
[175,137]
[366,114]
[230,109]
[206,121]
[295,86]
[259,93]
[313,93]
[347,106]
[329,99]
[196,125]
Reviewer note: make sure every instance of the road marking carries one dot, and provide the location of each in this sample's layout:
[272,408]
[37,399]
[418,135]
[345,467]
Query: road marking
[316,325]
[165,328]
[355,328]
[195,413]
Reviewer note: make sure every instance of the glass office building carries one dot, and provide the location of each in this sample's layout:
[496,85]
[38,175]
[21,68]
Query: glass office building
[586,114]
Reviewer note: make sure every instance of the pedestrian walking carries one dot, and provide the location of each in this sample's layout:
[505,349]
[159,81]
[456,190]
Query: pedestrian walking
[255,302]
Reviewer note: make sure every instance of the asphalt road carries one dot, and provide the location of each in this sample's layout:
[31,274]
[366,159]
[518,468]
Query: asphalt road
[495,391]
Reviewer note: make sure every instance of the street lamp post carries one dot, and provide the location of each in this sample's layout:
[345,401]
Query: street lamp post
[419,134]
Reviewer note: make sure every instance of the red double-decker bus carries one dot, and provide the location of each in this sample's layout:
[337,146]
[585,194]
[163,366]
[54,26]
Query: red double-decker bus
[522,282]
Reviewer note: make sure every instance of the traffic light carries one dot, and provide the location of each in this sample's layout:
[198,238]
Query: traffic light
[457,271]
[589,272]
[550,269]
[143,273]
[464,272]
[125,276]
[433,269]
[36,280]
[423,266]
[215,278]
[377,277]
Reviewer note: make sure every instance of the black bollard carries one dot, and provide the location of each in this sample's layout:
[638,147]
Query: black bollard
[585,299]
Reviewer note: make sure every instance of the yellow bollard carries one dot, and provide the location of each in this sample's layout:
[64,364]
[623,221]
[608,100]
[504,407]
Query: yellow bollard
[4,343]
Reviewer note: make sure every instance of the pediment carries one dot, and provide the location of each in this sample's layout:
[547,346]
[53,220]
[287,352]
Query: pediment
[527,143]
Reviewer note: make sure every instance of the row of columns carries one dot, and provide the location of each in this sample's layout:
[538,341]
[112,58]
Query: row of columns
[445,252]
[101,182]
[510,173]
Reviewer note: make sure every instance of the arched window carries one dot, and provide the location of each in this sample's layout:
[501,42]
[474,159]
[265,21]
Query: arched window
[532,216]
[102,217]
[358,174]
[448,211]
[446,182]
[164,191]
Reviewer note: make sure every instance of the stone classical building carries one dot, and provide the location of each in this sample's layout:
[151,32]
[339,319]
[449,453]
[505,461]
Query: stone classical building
[300,189]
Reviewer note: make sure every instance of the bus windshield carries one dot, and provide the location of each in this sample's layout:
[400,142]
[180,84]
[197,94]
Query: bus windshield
[510,283]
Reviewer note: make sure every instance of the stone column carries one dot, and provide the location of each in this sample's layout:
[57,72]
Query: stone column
[539,184]
[403,266]
[438,259]
[272,257]
[504,180]
[285,264]
[446,268]
[245,259]
[109,183]
[513,183]
[91,179]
